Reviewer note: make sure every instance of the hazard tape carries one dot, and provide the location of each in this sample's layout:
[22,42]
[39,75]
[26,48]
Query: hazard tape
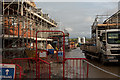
[102,69]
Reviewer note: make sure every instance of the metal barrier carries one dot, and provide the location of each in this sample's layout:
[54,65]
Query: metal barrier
[56,51]
[38,68]
[44,69]
[28,65]
[75,68]
[33,68]
[63,45]
[10,71]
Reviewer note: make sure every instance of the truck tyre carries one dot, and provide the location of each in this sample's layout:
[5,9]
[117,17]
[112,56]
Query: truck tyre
[87,56]
[102,59]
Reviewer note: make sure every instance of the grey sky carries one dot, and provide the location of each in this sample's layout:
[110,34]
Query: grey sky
[77,17]
[75,0]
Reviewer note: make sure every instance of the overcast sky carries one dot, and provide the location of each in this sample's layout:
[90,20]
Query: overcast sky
[77,17]
[75,0]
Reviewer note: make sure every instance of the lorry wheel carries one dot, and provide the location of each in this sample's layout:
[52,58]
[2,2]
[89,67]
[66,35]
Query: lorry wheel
[87,56]
[102,59]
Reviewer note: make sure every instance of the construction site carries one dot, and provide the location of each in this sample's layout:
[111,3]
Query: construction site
[33,46]
[23,47]
[20,20]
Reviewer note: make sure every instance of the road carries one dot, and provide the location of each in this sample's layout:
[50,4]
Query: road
[94,72]
[110,67]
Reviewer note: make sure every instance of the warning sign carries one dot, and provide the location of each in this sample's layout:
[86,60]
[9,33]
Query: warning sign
[42,54]
[60,53]
[7,71]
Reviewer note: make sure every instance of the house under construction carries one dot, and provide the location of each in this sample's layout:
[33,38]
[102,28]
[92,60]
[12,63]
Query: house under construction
[20,20]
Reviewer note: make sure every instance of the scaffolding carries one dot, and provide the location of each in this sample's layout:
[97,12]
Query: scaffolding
[20,22]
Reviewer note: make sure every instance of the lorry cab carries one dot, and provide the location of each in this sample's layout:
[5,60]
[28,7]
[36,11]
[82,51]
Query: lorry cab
[110,45]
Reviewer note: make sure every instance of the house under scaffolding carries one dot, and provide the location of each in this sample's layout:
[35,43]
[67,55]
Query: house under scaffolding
[20,20]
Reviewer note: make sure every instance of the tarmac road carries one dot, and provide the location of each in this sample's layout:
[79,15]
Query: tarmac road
[111,67]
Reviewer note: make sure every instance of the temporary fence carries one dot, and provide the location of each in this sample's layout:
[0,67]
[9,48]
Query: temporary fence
[56,53]
[34,68]
[75,68]
[44,69]
[10,71]
[28,65]
[53,50]
[72,67]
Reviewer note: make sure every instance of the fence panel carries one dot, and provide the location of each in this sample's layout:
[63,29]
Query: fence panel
[34,68]
[75,68]
[44,69]
[28,65]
